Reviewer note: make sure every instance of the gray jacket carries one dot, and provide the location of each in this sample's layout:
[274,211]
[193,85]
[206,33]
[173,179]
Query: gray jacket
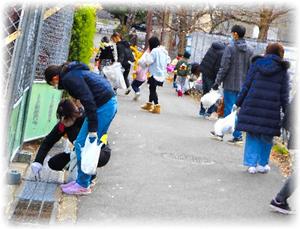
[234,65]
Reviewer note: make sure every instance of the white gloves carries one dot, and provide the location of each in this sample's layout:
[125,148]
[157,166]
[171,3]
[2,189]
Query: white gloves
[234,108]
[36,167]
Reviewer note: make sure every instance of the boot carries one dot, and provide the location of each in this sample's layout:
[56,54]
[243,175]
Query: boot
[155,109]
[147,106]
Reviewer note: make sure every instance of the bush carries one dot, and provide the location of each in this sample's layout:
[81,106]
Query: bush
[83,32]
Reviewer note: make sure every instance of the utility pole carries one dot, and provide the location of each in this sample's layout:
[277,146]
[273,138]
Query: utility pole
[148,27]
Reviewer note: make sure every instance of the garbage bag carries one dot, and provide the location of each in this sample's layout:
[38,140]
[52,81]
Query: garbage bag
[226,125]
[90,156]
[210,98]
[115,75]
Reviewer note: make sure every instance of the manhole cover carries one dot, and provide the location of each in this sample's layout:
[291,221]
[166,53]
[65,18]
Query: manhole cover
[188,158]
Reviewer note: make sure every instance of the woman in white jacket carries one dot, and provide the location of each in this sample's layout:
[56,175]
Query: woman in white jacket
[158,61]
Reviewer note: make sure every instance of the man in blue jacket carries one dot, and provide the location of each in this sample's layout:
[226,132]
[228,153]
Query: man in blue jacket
[99,101]
[232,73]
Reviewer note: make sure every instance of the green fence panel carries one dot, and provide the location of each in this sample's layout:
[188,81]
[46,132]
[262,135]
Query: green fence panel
[16,125]
[41,112]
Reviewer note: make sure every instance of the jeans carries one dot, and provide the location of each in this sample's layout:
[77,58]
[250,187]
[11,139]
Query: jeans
[229,100]
[136,85]
[257,149]
[105,115]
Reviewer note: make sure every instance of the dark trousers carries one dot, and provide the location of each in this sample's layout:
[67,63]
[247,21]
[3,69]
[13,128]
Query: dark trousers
[136,85]
[152,89]
[125,74]
[287,189]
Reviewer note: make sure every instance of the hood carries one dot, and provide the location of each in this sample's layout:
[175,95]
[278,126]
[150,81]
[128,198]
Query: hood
[271,64]
[218,45]
[125,43]
[241,45]
[70,66]
[255,58]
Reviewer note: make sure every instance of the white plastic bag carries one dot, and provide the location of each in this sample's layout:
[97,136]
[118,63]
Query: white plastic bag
[89,156]
[225,125]
[210,98]
[115,75]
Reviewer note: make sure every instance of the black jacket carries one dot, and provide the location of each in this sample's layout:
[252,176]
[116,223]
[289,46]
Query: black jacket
[55,135]
[210,63]
[124,54]
[92,91]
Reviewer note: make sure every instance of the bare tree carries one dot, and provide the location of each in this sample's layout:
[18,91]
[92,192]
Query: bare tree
[263,17]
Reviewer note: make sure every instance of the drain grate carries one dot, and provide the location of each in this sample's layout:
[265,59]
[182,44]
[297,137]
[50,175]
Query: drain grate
[33,211]
[188,158]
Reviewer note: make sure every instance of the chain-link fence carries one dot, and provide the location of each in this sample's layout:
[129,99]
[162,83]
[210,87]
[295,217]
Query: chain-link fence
[55,39]
[199,43]
[36,36]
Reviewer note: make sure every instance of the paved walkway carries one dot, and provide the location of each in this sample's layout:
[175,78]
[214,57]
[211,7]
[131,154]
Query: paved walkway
[167,168]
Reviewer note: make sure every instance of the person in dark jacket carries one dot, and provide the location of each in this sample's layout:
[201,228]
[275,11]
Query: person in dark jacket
[124,56]
[105,55]
[100,104]
[264,93]
[232,73]
[209,68]
[71,119]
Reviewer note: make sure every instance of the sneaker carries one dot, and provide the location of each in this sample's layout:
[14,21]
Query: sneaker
[235,141]
[136,96]
[68,184]
[281,207]
[127,91]
[76,189]
[215,136]
[263,169]
[179,93]
[251,170]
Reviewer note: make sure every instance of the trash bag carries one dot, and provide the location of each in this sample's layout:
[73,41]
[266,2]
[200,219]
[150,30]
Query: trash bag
[115,75]
[89,156]
[210,98]
[226,125]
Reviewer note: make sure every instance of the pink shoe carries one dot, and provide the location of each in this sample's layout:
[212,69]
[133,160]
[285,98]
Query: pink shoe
[67,184]
[76,189]
[179,93]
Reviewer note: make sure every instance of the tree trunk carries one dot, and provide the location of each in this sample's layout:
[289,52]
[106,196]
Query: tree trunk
[182,32]
[148,28]
[264,24]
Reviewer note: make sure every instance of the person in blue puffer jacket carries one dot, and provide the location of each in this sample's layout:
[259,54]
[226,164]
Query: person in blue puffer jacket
[264,95]
[99,101]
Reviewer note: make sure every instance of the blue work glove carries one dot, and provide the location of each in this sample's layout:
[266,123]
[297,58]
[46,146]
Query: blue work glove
[92,136]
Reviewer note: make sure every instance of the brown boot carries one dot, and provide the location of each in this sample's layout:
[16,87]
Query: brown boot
[155,109]
[147,106]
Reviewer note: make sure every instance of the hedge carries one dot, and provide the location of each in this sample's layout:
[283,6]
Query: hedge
[83,32]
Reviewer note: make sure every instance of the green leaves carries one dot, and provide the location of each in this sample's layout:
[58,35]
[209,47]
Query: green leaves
[83,32]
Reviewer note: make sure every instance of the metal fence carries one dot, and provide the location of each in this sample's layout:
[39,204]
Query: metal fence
[36,36]
[198,44]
